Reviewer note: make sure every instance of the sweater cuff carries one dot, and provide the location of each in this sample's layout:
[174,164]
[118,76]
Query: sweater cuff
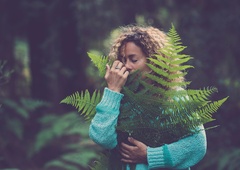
[111,98]
[155,157]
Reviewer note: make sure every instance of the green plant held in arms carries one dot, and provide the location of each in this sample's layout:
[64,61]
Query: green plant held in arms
[146,116]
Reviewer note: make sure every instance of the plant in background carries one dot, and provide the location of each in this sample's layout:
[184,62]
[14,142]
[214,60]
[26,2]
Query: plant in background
[169,111]
[222,159]
[4,74]
[48,142]
[32,140]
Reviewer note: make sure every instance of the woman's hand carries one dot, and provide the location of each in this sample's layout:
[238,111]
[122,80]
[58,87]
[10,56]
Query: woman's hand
[116,76]
[134,154]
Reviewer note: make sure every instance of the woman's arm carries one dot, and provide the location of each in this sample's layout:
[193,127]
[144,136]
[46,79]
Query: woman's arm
[179,155]
[102,128]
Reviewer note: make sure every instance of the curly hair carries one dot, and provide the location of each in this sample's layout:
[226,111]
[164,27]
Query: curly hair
[148,38]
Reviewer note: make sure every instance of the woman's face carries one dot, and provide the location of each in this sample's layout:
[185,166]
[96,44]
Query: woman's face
[133,58]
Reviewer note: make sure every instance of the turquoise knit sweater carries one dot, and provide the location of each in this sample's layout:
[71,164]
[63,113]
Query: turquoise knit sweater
[178,155]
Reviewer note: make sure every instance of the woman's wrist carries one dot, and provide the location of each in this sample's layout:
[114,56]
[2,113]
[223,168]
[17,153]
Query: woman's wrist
[115,89]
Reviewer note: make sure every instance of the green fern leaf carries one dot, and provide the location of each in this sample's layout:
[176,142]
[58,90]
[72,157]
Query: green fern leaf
[207,110]
[182,59]
[180,68]
[99,62]
[84,102]
[201,95]
[160,71]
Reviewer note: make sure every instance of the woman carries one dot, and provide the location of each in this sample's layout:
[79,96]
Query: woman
[131,51]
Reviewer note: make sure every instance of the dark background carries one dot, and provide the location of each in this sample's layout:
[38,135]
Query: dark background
[45,45]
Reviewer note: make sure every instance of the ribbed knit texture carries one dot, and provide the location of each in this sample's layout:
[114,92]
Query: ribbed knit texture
[178,155]
[155,157]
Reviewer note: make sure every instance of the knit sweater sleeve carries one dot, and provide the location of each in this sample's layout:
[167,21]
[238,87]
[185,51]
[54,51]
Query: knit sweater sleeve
[102,127]
[179,155]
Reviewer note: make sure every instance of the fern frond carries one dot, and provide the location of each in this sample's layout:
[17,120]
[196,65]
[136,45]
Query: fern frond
[164,68]
[180,68]
[160,108]
[182,58]
[202,94]
[133,81]
[175,39]
[167,83]
[84,102]
[153,89]
[159,70]
[169,68]
[99,62]
[207,110]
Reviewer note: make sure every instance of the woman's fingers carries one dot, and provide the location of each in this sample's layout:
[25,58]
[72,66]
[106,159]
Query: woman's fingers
[116,76]
[124,72]
[125,155]
[119,68]
[107,71]
[117,65]
[127,147]
[134,154]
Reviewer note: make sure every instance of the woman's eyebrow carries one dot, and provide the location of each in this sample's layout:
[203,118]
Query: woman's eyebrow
[131,55]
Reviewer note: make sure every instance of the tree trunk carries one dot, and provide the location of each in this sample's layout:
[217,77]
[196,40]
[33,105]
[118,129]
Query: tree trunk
[7,42]
[57,56]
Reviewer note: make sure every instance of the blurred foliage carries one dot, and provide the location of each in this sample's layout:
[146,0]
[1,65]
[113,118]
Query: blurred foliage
[222,159]
[62,139]
[27,134]
[4,74]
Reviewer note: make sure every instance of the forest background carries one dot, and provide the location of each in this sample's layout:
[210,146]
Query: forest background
[43,54]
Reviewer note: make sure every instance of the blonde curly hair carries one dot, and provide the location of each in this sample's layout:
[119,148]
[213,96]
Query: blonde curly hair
[148,38]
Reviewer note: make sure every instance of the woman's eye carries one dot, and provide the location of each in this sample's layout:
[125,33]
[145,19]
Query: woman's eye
[134,60]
